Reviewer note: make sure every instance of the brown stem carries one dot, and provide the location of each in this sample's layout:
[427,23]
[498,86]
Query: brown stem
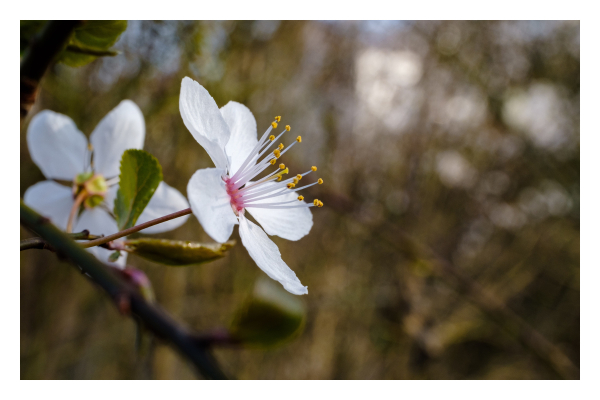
[78,200]
[137,228]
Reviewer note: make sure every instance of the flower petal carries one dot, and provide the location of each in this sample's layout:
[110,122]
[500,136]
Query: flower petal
[56,146]
[287,223]
[242,127]
[121,129]
[204,121]
[267,256]
[99,222]
[166,200]
[52,200]
[210,203]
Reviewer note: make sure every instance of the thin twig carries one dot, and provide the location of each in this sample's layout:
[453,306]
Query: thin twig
[35,243]
[124,294]
[137,228]
[39,243]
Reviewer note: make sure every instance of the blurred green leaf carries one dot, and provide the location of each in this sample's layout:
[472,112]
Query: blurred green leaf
[92,40]
[113,257]
[177,252]
[140,175]
[271,316]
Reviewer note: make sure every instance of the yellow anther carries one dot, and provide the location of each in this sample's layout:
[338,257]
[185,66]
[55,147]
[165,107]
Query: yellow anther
[290,185]
[298,176]
[300,198]
[313,168]
[277,154]
[320,204]
[271,138]
[281,166]
[316,202]
[274,124]
[299,139]
[280,146]
[295,180]
[320,181]
[288,128]
[278,119]
[273,161]
[280,174]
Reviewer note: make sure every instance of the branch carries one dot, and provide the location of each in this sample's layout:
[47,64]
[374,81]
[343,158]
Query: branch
[137,228]
[124,294]
[43,50]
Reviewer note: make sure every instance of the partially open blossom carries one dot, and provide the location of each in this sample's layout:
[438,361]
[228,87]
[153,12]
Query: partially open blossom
[62,153]
[220,196]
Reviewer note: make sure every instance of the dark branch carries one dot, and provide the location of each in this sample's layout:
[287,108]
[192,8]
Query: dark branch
[124,294]
[40,54]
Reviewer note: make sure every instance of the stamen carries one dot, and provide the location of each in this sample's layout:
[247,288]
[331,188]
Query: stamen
[291,185]
[298,176]
[281,146]
[277,153]
[313,168]
[274,125]
[272,137]
[288,128]
[252,154]
[278,118]
[300,197]
[299,139]
[320,181]
[282,166]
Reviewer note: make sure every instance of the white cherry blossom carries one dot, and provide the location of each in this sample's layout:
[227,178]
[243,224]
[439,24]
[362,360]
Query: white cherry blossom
[220,196]
[62,153]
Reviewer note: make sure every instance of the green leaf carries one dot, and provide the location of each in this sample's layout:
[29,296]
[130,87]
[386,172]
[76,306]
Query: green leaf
[113,257]
[272,316]
[177,252]
[92,40]
[140,175]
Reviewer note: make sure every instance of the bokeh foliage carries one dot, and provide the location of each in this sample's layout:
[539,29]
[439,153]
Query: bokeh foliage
[462,135]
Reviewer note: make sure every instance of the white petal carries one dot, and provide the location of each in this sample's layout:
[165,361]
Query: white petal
[99,222]
[242,127]
[111,195]
[123,128]
[210,203]
[166,200]
[102,254]
[52,200]
[56,146]
[266,255]
[287,223]
[204,121]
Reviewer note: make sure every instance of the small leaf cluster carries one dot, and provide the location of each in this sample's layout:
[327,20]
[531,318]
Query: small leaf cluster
[92,39]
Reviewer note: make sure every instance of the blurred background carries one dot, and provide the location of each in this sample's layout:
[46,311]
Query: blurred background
[448,246]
